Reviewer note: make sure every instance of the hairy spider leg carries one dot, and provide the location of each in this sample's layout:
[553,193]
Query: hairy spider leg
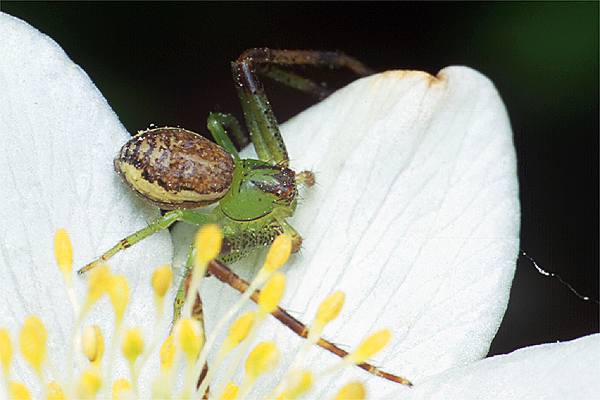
[331,59]
[266,61]
[191,217]
[226,275]
[260,119]
[293,80]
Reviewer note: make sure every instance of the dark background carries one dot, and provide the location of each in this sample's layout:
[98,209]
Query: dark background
[168,63]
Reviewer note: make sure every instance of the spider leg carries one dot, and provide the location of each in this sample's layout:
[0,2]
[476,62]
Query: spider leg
[157,225]
[261,122]
[226,275]
[293,80]
[221,126]
[331,59]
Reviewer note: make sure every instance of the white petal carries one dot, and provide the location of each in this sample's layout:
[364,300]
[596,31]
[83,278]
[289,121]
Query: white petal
[415,216]
[59,137]
[550,371]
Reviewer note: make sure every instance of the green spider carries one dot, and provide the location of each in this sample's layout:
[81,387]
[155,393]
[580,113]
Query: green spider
[181,171]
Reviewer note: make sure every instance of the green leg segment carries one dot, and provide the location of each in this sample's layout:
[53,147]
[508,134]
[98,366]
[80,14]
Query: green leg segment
[263,126]
[221,126]
[261,122]
[293,80]
[159,224]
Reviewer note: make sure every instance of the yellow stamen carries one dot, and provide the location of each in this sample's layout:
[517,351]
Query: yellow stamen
[330,308]
[55,392]
[276,257]
[32,341]
[370,346]
[278,254]
[238,331]
[63,253]
[353,391]
[299,383]
[208,243]
[162,277]
[118,292]
[5,350]
[89,383]
[93,344]
[271,294]
[132,345]
[189,337]
[18,391]
[167,353]
[121,389]
[262,359]
[230,392]
[98,284]
[207,246]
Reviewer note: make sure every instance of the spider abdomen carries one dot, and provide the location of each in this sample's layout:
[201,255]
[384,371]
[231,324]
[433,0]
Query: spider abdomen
[175,168]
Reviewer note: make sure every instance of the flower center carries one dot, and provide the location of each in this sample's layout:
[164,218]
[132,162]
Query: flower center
[184,353]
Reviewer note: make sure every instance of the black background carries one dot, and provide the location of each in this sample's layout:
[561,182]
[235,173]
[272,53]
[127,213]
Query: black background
[168,63]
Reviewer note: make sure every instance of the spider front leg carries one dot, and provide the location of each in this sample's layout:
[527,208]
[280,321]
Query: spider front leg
[294,81]
[266,60]
[188,216]
[259,116]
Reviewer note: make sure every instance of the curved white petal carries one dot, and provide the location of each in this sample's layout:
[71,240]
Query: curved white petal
[567,370]
[59,137]
[415,216]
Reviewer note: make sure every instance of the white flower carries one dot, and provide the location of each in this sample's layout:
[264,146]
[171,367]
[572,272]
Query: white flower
[415,217]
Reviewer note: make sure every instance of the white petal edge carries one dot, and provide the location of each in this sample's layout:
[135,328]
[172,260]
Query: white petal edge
[568,370]
[59,137]
[415,216]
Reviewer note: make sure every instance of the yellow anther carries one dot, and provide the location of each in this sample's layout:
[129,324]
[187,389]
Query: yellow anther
[189,337]
[370,346]
[63,253]
[121,389]
[162,277]
[99,284]
[167,353]
[132,345]
[208,243]
[89,383]
[5,350]
[278,253]
[353,391]
[32,340]
[92,343]
[330,308]
[230,392]
[118,292]
[238,331]
[299,383]
[55,392]
[18,391]
[262,359]
[271,294]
